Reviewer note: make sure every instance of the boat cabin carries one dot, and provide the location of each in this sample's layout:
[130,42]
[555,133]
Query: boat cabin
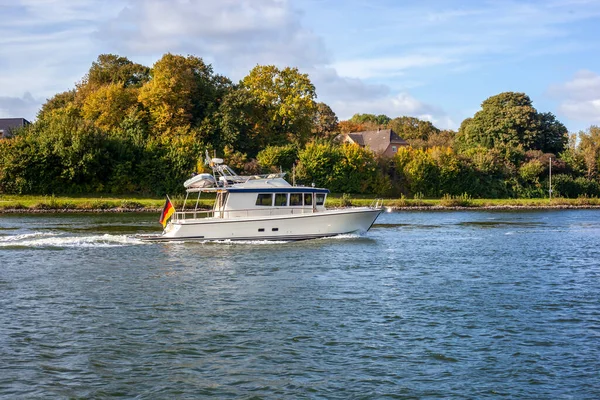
[261,197]
[239,203]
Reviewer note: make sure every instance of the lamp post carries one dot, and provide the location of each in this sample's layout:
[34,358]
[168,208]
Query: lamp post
[550,180]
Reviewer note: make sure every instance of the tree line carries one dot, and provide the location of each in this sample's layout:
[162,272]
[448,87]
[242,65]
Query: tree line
[126,128]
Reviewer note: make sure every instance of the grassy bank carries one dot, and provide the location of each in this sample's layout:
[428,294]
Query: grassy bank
[90,203]
[13,203]
[453,202]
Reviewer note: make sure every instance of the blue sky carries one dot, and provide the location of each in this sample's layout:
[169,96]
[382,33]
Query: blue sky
[432,59]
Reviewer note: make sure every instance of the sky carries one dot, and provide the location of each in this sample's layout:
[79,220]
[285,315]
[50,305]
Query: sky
[436,60]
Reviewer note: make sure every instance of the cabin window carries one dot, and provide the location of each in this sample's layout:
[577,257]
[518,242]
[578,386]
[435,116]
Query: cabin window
[320,199]
[394,149]
[281,199]
[308,199]
[295,199]
[264,199]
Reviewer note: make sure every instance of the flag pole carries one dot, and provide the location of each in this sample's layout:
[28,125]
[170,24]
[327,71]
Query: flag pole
[168,198]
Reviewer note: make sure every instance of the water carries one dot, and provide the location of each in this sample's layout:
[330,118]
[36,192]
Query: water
[426,305]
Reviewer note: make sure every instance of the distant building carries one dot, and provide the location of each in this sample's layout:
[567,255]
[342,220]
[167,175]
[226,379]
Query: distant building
[385,142]
[7,125]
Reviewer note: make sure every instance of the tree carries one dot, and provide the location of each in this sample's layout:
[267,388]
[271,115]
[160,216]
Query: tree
[363,122]
[574,161]
[378,120]
[510,120]
[60,154]
[325,123]
[111,68]
[566,186]
[410,128]
[241,124]
[272,158]
[349,126]
[443,138]
[108,105]
[488,170]
[530,171]
[553,136]
[589,147]
[285,102]
[419,170]
[450,171]
[343,169]
[355,171]
[180,92]
[316,163]
[56,102]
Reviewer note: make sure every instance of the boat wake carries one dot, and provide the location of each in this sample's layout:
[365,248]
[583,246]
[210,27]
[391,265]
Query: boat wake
[54,240]
[22,237]
[343,236]
[242,242]
[267,242]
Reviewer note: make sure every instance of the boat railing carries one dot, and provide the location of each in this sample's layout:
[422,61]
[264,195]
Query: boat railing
[242,213]
[182,215]
[377,203]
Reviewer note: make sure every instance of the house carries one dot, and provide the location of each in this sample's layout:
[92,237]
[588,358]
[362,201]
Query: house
[9,124]
[384,142]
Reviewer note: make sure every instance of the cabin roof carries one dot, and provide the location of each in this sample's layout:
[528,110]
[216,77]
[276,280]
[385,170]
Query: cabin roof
[289,189]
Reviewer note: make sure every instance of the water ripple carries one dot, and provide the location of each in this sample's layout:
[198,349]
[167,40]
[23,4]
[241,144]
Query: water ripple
[426,305]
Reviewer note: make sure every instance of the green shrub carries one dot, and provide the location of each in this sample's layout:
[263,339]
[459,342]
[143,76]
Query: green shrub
[274,157]
[566,186]
[463,200]
[345,201]
[131,205]
[101,205]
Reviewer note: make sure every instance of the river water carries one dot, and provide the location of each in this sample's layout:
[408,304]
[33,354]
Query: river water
[471,304]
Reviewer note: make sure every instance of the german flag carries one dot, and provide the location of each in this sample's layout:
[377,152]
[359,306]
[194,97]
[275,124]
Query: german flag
[167,211]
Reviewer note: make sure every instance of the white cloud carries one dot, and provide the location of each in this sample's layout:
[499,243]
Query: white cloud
[392,106]
[588,111]
[229,31]
[330,85]
[19,107]
[580,97]
[585,85]
[386,66]
[45,48]
[397,105]
[348,96]
[441,121]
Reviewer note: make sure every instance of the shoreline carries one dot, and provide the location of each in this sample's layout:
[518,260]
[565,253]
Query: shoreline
[492,208]
[507,207]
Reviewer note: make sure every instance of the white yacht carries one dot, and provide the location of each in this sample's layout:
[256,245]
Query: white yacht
[261,207]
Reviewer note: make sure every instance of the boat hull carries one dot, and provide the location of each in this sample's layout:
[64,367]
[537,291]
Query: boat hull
[280,227]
